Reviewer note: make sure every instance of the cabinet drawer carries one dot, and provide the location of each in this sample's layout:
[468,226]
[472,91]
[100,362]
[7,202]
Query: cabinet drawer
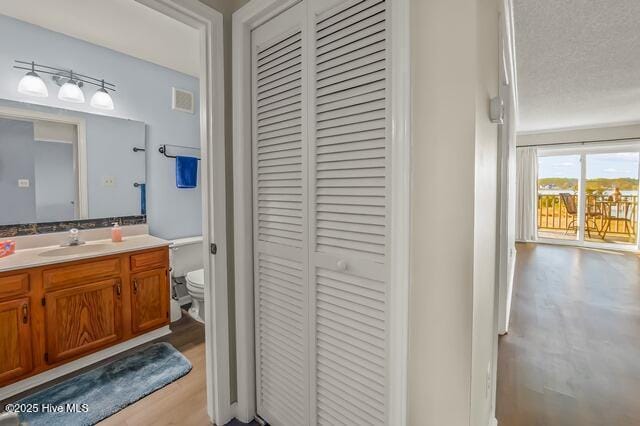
[14,285]
[149,260]
[80,273]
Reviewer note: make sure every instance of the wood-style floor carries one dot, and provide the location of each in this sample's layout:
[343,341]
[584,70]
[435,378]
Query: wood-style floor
[572,355]
[182,402]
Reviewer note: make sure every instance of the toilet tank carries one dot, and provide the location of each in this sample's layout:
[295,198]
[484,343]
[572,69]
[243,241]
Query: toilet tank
[186,255]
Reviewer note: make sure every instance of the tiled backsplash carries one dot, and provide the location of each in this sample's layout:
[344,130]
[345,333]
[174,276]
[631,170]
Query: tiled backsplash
[8,231]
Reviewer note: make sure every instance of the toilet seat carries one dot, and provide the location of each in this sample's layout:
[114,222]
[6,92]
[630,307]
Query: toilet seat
[196,279]
[195,287]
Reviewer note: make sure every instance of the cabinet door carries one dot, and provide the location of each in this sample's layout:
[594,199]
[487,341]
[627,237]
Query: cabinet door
[149,300]
[83,318]
[15,339]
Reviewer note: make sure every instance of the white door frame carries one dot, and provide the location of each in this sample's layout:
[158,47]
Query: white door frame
[507,152]
[209,23]
[245,20]
[80,150]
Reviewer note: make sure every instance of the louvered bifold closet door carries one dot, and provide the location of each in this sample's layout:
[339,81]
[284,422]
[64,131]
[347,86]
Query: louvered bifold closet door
[349,212]
[280,219]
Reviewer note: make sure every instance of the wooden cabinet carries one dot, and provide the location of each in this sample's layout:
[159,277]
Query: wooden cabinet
[54,314]
[15,339]
[82,318]
[13,286]
[149,306]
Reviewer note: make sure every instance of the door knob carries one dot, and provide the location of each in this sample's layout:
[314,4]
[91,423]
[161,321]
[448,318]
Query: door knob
[342,265]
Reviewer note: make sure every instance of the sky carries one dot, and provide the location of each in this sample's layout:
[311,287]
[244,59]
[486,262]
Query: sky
[624,164]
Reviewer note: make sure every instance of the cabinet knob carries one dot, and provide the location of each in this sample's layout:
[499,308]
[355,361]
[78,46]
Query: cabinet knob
[25,313]
[342,265]
[135,286]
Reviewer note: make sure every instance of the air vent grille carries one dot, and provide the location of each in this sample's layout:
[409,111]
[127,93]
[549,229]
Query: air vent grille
[182,100]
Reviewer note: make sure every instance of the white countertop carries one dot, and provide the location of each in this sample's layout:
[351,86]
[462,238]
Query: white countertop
[40,256]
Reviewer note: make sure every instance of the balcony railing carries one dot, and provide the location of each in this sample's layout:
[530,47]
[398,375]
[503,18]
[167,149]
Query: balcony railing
[605,218]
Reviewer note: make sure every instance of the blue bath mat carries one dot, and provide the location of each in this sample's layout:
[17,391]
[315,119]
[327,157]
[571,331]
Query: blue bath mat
[95,395]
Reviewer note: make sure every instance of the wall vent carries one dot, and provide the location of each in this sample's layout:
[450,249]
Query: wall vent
[182,100]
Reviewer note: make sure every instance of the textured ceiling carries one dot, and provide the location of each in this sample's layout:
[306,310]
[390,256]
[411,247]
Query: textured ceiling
[578,62]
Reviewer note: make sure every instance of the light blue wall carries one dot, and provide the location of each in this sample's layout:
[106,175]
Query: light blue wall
[110,143]
[143,94]
[17,205]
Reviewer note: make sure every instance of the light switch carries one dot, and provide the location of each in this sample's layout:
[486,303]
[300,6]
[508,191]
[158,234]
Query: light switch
[23,183]
[108,181]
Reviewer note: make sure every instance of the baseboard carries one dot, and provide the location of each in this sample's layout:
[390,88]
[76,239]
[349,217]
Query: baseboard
[493,422]
[54,373]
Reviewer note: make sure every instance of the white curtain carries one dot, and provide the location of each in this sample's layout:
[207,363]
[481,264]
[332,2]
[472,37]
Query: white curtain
[526,193]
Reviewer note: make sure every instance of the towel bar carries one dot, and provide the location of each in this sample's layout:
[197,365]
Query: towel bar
[163,150]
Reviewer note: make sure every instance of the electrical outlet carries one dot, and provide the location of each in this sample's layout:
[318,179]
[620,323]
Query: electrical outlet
[23,183]
[108,181]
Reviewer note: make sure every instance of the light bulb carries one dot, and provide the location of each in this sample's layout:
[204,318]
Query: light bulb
[102,100]
[31,84]
[70,92]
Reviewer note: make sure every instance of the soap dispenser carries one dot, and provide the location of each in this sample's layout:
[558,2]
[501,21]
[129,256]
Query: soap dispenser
[116,233]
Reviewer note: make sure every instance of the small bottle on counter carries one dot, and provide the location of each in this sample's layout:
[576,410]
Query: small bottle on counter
[7,247]
[116,233]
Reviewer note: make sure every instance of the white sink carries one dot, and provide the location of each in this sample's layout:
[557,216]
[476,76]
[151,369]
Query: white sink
[71,250]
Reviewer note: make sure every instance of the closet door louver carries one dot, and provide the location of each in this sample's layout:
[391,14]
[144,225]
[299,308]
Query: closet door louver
[349,210]
[280,220]
[351,131]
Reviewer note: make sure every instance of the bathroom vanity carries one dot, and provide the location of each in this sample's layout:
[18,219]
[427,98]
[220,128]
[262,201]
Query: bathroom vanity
[60,304]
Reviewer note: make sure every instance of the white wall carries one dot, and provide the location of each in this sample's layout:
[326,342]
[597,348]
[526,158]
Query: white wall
[441,299]
[451,339]
[485,336]
[586,134]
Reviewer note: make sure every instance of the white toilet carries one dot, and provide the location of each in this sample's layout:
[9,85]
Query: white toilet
[187,261]
[195,287]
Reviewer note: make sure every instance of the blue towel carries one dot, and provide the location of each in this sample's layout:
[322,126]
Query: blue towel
[143,199]
[186,172]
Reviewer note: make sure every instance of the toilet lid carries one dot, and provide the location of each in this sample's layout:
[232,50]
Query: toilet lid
[196,277]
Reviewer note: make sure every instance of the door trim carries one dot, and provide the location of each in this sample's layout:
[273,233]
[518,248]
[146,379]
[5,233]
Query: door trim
[208,22]
[245,20]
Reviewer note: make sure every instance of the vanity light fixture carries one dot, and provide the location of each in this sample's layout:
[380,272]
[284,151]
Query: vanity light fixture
[71,84]
[71,91]
[31,84]
[101,99]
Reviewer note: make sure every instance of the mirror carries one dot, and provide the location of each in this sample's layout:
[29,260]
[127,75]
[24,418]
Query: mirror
[59,165]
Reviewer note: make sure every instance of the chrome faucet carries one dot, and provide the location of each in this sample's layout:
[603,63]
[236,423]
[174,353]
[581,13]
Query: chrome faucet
[74,238]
